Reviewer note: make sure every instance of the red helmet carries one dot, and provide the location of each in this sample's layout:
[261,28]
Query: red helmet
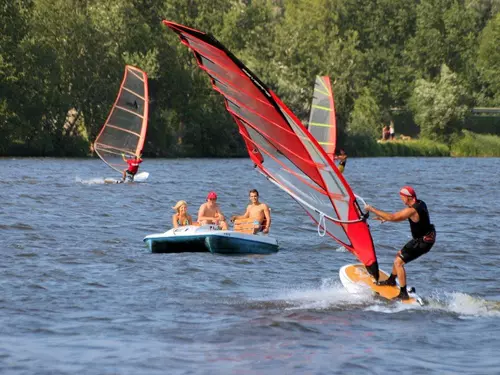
[212,195]
[408,191]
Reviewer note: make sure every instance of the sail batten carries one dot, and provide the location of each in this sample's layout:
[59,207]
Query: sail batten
[133,93]
[124,131]
[281,147]
[302,179]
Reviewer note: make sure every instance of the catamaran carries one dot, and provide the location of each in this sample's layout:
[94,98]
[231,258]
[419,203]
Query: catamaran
[209,238]
[124,131]
[322,122]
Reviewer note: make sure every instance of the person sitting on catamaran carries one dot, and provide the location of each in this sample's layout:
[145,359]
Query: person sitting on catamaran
[181,217]
[257,211]
[342,156]
[422,231]
[210,213]
[133,167]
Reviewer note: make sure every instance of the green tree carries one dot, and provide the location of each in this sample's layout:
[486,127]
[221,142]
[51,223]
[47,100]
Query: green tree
[14,25]
[366,117]
[304,38]
[383,28]
[488,60]
[446,33]
[439,107]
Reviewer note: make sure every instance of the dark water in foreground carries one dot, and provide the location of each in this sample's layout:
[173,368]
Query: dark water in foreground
[80,293]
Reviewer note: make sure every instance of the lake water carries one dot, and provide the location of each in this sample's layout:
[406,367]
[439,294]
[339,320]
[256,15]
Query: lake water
[81,294]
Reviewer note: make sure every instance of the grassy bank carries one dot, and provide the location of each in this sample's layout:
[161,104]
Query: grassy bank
[467,144]
[362,147]
[417,147]
[479,145]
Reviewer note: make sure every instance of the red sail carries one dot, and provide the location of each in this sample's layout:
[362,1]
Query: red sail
[282,148]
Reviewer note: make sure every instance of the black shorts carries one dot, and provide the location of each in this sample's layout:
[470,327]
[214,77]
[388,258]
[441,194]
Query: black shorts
[130,173]
[415,248]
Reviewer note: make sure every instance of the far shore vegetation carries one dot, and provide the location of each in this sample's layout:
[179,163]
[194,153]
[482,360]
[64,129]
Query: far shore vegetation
[432,68]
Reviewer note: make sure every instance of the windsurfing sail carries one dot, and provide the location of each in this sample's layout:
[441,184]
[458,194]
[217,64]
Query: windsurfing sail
[124,131]
[322,122]
[282,148]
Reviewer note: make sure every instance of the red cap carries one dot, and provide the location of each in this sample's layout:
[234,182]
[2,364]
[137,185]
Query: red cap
[212,195]
[408,191]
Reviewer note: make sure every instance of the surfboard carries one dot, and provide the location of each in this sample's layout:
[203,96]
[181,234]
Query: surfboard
[355,278]
[139,177]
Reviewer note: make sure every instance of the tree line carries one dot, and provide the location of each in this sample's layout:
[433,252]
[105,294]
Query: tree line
[61,63]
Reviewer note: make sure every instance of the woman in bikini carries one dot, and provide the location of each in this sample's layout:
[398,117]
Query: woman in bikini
[181,217]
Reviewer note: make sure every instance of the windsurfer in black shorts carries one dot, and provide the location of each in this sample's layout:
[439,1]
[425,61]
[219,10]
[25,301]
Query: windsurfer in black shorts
[422,231]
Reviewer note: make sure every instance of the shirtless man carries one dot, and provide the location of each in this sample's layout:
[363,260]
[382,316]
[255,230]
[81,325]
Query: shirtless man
[257,211]
[210,213]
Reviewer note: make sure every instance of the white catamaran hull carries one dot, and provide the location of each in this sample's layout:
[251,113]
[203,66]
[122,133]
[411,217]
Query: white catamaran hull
[208,238]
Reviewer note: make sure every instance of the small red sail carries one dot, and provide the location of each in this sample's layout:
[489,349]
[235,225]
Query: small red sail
[124,131]
[282,148]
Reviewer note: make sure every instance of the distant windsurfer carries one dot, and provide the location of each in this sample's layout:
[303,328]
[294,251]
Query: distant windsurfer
[133,167]
[210,213]
[258,211]
[422,231]
[342,156]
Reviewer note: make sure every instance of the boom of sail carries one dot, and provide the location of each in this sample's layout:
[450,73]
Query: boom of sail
[282,148]
[322,122]
[124,131]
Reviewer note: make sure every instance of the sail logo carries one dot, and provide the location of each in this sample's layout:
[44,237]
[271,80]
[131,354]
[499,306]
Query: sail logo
[133,105]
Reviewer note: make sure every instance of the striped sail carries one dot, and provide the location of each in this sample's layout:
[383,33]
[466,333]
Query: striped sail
[282,148]
[124,131]
[322,122]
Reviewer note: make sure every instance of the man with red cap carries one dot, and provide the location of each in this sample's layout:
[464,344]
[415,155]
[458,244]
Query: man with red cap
[210,213]
[422,231]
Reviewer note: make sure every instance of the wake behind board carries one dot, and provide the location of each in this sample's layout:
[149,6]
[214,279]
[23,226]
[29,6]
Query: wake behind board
[356,278]
[139,177]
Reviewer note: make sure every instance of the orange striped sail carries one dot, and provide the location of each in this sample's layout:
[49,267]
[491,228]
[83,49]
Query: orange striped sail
[124,131]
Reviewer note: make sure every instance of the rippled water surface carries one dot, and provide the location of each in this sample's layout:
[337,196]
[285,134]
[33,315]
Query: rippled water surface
[80,292]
